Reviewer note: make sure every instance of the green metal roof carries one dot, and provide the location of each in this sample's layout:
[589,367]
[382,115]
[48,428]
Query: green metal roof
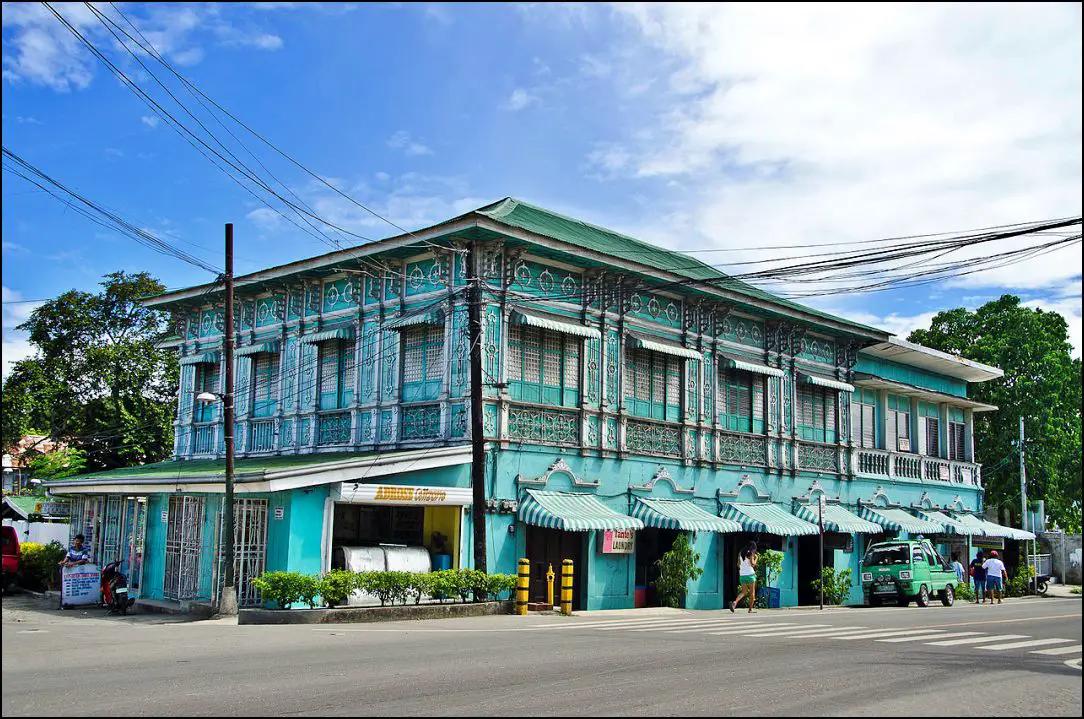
[524,216]
[210,468]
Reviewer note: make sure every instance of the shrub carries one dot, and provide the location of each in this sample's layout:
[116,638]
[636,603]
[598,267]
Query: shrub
[443,584]
[308,589]
[419,585]
[964,592]
[498,584]
[474,582]
[388,587]
[38,564]
[283,588]
[677,567]
[1020,582]
[337,586]
[837,585]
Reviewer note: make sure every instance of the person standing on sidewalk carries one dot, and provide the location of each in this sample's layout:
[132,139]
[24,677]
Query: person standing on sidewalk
[996,575]
[978,575]
[747,575]
[959,568]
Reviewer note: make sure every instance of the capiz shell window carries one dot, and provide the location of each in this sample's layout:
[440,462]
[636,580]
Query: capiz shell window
[423,361]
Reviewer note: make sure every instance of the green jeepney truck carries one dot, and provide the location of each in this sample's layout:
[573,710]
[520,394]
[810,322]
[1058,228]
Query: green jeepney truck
[907,569]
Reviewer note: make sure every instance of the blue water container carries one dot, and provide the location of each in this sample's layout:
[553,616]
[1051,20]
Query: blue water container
[442,561]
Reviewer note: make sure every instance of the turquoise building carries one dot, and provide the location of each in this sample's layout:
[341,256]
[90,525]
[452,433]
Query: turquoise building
[631,392]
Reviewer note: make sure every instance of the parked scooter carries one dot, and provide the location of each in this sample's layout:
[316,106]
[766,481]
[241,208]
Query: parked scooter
[115,589]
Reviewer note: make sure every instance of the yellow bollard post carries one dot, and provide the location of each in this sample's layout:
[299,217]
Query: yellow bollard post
[549,586]
[523,584]
[566,587]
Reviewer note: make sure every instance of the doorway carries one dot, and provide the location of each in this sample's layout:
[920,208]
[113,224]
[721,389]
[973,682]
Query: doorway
[651,544]
[733,546]
[549,548]
[809,565]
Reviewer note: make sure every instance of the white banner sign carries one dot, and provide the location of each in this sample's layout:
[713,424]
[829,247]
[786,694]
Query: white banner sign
[400,494]
[79,585]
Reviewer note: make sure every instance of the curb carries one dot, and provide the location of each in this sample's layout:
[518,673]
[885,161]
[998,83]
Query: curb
[349,615]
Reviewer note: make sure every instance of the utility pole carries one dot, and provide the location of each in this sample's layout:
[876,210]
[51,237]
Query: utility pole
[477,438]
[820,524]
[227,603]
[1023,493]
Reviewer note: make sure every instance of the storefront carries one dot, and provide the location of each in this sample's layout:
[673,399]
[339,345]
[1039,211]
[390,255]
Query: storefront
[567,525]
[391,516]
[771,527]
[842,547]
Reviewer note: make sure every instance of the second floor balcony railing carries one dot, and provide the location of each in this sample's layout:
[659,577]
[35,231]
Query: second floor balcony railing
[261,435]
[902,465]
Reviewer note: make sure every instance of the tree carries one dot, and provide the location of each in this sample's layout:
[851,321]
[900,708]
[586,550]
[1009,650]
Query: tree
[98,382]
[1042,383]
[56,464]
[677,566]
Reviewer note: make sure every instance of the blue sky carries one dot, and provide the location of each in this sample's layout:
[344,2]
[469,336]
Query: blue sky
[695,127]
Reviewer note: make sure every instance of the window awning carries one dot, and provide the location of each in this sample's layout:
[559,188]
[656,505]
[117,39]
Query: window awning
[838,519]
[546,321]
[735,363]
[263,347]
[434,316]
[201,358]
[899,520]
[341,333]
[572,512]
[658,344]
[992,529]
[768,518]
[825,382]
[680,514]
[951,525]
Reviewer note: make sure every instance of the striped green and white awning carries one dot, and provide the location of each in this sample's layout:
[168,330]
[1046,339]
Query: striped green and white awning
[201,358]
[735,363]
[768,518]
[658,344]
[547,321]
[951,525]
[992,529]
[898,520]
[263,347]
[572,512]
[340,333]
[819,381]
[434,316]
[838,519]
[680,514]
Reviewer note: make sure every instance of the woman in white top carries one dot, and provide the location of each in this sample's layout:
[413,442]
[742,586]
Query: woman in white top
[747,576]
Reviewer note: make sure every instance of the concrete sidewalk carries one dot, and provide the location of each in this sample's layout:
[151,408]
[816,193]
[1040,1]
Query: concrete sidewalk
[1063,590]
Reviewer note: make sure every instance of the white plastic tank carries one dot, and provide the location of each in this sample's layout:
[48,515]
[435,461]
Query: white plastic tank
[364,559]
[401,558]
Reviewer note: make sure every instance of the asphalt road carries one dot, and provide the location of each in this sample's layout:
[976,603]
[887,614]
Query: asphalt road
[1020,658]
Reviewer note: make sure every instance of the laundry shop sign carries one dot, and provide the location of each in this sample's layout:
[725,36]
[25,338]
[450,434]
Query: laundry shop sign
[618,541]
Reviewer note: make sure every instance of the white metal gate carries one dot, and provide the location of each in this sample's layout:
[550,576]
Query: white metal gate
[86,519]
[249,548]
[184,540]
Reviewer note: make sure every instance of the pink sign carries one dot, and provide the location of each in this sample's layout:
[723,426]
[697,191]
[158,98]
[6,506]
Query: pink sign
[617,541]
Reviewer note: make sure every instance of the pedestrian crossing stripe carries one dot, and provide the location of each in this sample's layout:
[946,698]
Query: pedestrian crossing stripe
[978,640]
[1057,651]
[802,633]
[892,633]
[924,635]
[1025,644]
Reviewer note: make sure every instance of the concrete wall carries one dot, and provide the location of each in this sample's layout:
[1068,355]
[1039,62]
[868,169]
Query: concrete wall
[1065,552]
[40,532]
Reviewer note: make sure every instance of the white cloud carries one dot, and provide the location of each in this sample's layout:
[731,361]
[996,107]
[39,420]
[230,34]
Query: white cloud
[830,123]
[520,99]
[16,311]
[265,218]
[402,140]
[1066,301]
[150,120]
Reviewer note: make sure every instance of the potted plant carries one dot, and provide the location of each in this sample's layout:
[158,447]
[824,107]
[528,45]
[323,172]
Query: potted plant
[676,568]
[769,567]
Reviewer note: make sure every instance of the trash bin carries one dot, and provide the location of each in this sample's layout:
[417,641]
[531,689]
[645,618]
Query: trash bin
[639,600]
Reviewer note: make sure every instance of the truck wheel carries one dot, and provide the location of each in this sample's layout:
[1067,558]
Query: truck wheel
[923,597]
[903,601]
[948,596]
[874,601]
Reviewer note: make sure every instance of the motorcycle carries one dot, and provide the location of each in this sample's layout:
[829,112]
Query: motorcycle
[115,589]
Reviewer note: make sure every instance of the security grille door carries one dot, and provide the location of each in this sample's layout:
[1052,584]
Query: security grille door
[112,531]
[249,548]
[184,537]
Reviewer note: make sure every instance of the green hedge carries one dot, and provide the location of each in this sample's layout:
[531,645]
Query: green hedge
[334,588]
[39,564]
